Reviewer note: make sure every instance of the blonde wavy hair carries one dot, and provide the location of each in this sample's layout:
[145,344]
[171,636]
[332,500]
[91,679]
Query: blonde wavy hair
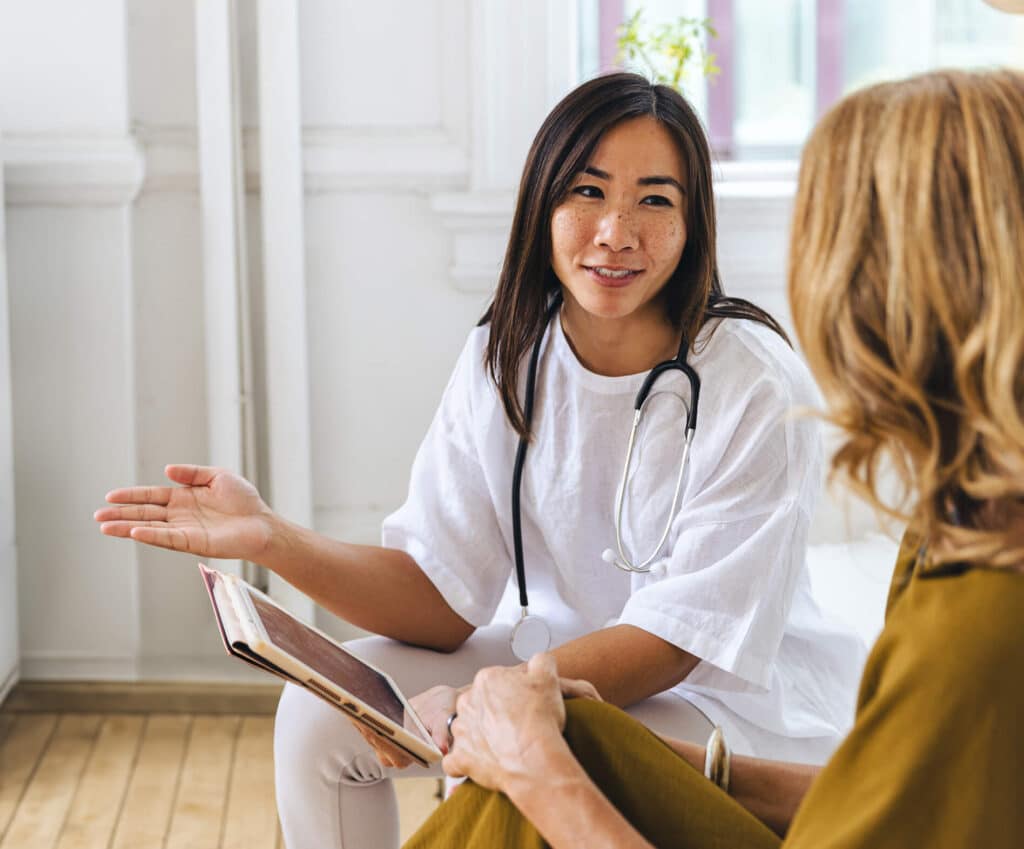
[906,282]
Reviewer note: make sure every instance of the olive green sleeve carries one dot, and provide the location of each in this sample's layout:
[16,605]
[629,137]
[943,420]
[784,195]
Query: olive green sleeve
[933,758]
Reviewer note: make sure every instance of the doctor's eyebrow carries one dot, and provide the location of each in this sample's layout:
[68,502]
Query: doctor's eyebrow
[656,180]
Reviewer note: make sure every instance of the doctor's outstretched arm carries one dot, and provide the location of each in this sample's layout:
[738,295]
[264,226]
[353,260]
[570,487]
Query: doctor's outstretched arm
[625,663]
[215,513]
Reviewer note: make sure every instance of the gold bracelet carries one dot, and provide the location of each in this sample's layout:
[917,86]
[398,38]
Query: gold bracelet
[717,759]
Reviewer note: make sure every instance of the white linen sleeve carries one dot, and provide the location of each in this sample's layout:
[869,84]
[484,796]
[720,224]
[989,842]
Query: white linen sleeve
[448,523]
[724,590]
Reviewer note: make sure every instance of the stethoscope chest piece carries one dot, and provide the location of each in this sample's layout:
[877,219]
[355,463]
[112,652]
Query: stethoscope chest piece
[530,636]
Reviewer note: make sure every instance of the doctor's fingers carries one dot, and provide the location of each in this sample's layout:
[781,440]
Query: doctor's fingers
[140,495]
[124,529]
[577,688]
[189,474]
[542,666]
[433,707]
[132,513]
[153,533]
[387,753]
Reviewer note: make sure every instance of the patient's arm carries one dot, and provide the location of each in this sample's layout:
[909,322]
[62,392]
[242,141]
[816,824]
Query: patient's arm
[770,790]
[508,737]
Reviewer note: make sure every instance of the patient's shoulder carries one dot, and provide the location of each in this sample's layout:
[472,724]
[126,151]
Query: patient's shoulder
[959,630]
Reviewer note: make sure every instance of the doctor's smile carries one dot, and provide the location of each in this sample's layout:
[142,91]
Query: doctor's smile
[611,276]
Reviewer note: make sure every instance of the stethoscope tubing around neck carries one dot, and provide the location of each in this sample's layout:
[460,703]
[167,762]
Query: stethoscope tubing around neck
[623,561]
[524,441]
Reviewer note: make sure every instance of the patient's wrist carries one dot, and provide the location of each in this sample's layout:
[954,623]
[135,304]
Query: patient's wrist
[547,766]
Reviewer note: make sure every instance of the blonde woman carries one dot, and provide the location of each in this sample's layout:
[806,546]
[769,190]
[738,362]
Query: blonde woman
[907,288]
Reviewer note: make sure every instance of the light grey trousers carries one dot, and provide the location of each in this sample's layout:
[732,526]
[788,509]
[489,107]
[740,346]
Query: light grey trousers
[332,791]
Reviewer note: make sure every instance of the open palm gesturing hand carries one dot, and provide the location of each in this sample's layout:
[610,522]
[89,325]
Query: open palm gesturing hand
[212,513]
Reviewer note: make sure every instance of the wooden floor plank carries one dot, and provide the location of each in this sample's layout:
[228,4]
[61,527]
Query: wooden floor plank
[142,697]
[210,788]
[198,816]
[6,721]
[44,806]
[153,785]
[94,811]
[19,755]
[251,817]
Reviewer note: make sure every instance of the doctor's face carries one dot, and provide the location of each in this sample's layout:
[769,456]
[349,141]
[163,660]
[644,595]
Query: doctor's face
[618,236]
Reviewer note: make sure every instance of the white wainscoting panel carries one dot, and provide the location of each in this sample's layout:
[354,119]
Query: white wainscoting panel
[74,428]
[385,330]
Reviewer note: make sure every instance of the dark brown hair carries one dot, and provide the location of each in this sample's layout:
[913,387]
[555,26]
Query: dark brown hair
[564,143]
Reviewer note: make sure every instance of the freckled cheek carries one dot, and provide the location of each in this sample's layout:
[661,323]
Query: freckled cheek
[570,231]
[667,240]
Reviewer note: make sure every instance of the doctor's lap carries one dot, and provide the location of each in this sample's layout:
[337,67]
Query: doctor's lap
[331,789]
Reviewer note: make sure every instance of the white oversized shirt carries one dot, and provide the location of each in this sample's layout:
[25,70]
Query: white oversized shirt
[730,584]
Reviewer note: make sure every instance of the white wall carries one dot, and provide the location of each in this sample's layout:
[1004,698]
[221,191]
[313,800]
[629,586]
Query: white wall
[416,119]
[70,165]
[9,654]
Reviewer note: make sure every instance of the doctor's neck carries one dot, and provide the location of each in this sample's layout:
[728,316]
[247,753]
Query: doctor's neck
[621,345]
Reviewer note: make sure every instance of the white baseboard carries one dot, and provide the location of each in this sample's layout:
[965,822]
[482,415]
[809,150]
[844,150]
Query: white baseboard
[46,666]
[219,670]
[7,684]
[59,666]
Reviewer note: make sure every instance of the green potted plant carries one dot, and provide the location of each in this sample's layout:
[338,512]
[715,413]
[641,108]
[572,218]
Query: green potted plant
[667,53]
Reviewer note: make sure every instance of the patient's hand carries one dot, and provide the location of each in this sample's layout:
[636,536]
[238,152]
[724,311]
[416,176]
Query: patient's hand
[510,720]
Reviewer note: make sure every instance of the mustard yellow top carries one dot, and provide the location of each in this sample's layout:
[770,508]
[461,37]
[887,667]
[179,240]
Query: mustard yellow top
[936,755]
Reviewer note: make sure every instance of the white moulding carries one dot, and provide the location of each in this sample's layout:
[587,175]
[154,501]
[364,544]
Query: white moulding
[416,159]
[51,170]
[333,160]
[479,224]
[172,159]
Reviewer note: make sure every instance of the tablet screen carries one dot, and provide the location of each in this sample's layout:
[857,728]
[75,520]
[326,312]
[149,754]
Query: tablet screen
[344,669]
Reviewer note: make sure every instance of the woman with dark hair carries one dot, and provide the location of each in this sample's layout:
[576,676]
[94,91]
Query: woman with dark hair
[906,284]
[708,621]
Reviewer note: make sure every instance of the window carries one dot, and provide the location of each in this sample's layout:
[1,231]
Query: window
[784,63]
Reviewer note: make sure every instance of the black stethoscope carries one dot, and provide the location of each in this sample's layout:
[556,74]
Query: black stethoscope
[531,634]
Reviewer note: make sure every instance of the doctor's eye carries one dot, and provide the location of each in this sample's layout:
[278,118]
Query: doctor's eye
[588,191]
[656,200]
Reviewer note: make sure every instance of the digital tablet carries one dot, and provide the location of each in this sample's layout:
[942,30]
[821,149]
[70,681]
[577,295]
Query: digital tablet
[256,629]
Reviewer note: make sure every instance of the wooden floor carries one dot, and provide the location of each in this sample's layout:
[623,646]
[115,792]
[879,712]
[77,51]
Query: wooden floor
[148,781]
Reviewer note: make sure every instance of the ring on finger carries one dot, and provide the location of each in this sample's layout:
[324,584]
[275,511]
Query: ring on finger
[451,736]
